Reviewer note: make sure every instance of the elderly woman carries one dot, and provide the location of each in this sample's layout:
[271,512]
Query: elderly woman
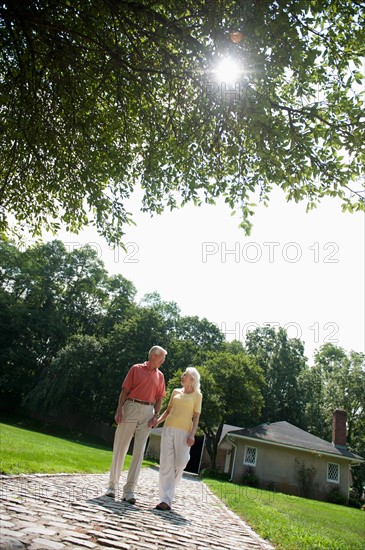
[181,422]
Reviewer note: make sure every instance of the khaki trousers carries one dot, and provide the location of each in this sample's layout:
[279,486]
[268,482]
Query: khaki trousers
[174,457]
[134,423]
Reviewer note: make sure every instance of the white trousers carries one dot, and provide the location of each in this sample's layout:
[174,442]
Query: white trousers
[134,423]
[174,456]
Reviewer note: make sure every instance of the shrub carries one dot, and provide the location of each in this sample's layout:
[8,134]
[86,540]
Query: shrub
[354,502]
[271,486]
[213,473]
[336,496]
[249,477]
[354,498]
[306,479]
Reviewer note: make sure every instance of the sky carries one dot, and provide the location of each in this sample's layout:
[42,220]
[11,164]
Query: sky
[303,271]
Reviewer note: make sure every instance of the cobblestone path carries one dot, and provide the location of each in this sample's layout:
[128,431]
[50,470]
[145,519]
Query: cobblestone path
[71,511]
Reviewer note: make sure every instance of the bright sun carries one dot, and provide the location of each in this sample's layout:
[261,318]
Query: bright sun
[227,71]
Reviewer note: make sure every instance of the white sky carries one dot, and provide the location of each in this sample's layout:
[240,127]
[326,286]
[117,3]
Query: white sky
[301,270]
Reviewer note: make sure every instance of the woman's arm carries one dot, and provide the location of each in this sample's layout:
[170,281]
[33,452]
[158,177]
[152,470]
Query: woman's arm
[163,417]
[191,436]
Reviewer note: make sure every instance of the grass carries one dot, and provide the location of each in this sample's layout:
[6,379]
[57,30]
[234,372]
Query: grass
[27,451]
[294,523]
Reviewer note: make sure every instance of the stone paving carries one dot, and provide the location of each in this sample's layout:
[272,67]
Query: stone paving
[71,511]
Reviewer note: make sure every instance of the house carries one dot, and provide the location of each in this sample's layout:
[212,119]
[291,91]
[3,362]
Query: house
[224,450]
[290,460]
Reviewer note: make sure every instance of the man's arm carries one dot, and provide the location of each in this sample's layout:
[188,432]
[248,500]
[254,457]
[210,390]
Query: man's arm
[153,422]
[164,415]
[119,415]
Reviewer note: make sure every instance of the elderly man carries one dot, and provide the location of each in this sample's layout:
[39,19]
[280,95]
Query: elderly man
[139,406]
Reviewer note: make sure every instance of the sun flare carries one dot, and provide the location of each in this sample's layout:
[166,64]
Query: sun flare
[227,71]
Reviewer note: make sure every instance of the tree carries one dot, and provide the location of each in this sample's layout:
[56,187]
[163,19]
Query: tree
[51,300]
[201,332]
[188,339]
[32,322]
[47,295]
[14,351]
[282,361]
[73,382]
[101,97]
[169,311]
[337,380]
[121,305]
[342,386]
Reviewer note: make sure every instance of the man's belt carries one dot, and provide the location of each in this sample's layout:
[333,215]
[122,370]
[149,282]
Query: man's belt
[139,401]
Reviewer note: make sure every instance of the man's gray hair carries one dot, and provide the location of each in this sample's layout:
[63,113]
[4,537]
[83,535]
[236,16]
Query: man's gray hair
[157,350]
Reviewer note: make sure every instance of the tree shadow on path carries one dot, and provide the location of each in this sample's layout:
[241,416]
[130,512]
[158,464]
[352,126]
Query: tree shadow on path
[137,511]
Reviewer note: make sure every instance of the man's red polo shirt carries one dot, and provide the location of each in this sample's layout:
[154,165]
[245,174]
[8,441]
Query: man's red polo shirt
[143,384]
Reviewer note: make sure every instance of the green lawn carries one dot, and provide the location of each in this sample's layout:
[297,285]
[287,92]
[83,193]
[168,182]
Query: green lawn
[294,523]
[24,451]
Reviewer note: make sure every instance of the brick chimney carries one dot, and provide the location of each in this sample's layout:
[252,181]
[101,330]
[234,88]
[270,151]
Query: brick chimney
[339,428]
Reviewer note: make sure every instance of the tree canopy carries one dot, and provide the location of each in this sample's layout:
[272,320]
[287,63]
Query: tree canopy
[337,380]
[62,317]
[282,361]
[102,97]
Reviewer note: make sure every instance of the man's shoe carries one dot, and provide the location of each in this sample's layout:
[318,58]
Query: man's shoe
[131,500]
[110,492]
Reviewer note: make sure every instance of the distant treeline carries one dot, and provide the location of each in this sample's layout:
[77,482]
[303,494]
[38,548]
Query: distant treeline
[70,332]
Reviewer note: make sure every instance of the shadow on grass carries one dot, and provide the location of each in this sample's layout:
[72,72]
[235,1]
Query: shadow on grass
[56,431]
[51,430]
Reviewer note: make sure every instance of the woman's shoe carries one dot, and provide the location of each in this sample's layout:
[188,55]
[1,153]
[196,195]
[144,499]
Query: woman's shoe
[163,506]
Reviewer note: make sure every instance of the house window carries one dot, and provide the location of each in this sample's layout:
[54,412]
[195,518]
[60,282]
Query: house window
[250,456]
[333,472]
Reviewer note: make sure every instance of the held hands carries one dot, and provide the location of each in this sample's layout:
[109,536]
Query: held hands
[153,421]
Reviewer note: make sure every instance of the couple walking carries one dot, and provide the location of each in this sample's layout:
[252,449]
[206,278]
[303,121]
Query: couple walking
[139,410]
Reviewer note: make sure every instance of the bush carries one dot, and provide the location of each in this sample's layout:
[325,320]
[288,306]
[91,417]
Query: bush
[336,496]
[354,502]
[354,498]
[306,479]
[249,477]
[271,486]
[213,473]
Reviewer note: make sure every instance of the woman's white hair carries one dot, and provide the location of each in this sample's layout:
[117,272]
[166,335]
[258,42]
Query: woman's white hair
[195,376]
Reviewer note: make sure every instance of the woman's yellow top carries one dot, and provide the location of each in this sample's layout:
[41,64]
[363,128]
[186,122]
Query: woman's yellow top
[183,406]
